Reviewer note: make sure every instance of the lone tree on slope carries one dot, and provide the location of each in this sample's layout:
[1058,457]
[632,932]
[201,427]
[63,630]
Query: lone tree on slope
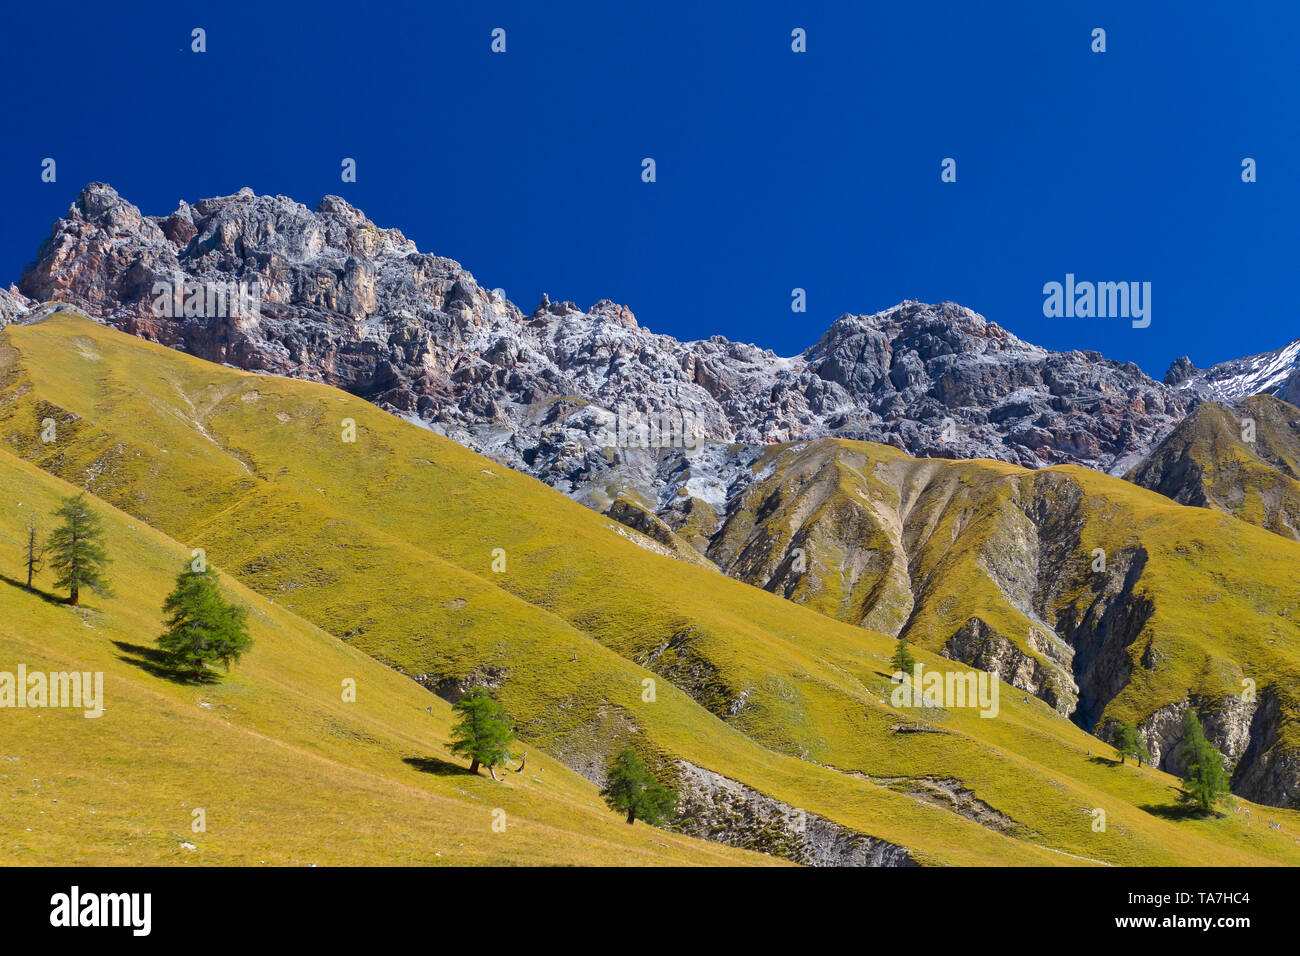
[77,550]
[1205,782]
[630,789]
[482,733]
[903,659]
[202,627]
[35,552]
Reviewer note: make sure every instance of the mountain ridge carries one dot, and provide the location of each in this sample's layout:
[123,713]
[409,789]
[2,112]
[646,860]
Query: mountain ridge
[353,305]
[1276,373]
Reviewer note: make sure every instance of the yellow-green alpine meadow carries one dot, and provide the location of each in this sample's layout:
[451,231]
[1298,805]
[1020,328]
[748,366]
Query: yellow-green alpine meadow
[387,570]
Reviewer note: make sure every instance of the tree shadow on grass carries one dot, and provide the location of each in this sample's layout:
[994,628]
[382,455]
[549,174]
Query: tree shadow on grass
[45,596]
[1182,810]
[435,765]
[1177,812]
[1105,761]
[153,661]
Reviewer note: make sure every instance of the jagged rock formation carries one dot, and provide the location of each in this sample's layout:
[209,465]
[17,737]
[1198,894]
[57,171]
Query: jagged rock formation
[13,304]
[1045,674]
[348,303]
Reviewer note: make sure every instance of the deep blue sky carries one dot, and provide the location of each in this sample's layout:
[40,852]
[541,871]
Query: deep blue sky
[775,170]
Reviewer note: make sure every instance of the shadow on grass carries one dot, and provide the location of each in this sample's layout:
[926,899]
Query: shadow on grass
[45,596]
[435,765]
[1104,761]
[1178,811]
[153,661]
[888,675]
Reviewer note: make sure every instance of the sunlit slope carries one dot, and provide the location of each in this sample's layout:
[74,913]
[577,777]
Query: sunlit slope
[1105,600]
[1244,461]
[388,542]
[285,771]
[1026,551]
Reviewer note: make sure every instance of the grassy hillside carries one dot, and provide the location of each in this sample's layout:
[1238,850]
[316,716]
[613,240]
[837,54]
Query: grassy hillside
[1107,601]
[390,542]
[1243,461]
[286,771]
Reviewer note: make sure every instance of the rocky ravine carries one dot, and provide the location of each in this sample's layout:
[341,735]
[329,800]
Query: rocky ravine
[348,303]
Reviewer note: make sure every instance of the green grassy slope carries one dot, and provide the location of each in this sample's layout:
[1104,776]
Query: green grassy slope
[285,770]
[1245,462]
[1191,601]
[389,543]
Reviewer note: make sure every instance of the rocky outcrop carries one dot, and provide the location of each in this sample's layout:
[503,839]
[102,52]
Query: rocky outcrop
[632,515]
[979,645]
[1226,721]
[637,518]
[714,807]
[679,661]
[953,795]
[1268,771]
[1180,370]
[1246,730]
[13,304]
[1101,628]
[452,689]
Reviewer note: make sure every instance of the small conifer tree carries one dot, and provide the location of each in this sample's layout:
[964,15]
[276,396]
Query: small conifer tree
[1205,782]
[202,627]
[482,732]
[632,790]
[903,659]
[77,551]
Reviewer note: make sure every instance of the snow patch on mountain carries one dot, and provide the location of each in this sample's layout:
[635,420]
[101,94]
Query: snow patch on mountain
[1271,373]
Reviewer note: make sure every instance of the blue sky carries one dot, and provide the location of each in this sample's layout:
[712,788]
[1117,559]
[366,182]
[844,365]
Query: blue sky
[775,170]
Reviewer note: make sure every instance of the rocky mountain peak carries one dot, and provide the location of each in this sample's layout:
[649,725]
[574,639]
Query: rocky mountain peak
[347,302]
[98,205]
[93,200]
[1180,370]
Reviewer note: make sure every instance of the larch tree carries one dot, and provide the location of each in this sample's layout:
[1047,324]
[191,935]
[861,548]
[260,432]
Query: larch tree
[77,551]
[482,733]
[632,790]
[203,628]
